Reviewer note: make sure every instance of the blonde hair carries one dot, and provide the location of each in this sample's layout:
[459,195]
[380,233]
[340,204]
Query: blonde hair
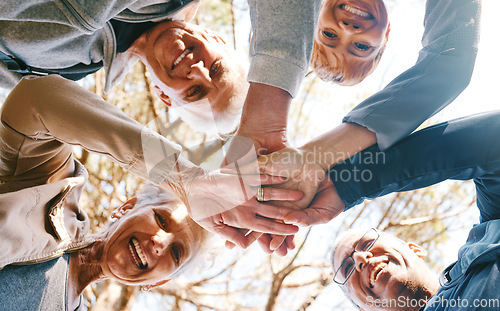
[343,73]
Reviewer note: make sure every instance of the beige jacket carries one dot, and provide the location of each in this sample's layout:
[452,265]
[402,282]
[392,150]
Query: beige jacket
[41,182]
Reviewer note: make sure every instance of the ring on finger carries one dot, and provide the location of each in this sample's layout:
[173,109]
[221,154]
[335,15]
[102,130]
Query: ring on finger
[260,194]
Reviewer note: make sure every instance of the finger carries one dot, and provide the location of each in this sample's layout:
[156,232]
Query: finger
[233,235]
[277,241]
[264,242]
[271,180]
[251,236]
[281,250]
[290,243]
[308,217]
[271,211]
[275,194]
[229,245]
[270,226]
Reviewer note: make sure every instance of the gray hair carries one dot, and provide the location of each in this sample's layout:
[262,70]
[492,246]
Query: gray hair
[224,121]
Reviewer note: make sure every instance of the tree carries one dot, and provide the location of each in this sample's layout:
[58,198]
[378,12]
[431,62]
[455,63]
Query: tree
[250,279]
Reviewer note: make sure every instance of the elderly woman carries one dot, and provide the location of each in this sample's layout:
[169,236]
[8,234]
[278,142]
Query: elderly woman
[150,241]
[152,238]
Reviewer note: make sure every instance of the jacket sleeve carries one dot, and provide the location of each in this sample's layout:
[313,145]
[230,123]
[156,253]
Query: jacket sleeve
[461,149]
[442,71]
[281,45]
[43,116]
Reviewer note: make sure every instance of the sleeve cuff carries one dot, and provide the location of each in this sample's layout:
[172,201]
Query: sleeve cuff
[159,155]
[276,72]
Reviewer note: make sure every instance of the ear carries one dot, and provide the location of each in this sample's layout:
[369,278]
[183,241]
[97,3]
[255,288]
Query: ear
[387,31]
[214,36]
[163,97]
[122,210]
[417,249]
[149,287]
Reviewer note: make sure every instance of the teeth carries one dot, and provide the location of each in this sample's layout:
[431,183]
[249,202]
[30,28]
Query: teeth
[181,57]
[375,273]
[133,254]
[356,11]
[139,252]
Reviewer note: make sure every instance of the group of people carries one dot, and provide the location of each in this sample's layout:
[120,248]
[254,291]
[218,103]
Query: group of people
[50,257]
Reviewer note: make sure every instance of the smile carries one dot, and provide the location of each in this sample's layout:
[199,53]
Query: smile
[375,273]
[355,11]
[181,57]
[137,253]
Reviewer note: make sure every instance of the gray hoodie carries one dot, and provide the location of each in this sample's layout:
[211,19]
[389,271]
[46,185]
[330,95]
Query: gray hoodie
[64,33]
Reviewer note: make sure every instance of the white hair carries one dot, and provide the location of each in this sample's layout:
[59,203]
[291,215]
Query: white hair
[201,117]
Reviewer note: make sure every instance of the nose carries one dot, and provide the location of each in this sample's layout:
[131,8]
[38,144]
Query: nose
[160,241]
[351,26]
[361,259]
[198,71]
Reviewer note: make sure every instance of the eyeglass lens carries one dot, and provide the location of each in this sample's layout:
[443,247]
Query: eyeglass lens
[347,266]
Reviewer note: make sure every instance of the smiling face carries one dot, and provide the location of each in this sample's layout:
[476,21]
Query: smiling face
[149,243]
[390,269]
[351,33]
[190,64]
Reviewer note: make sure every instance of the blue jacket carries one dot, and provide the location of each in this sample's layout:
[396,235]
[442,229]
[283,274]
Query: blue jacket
[462,149]
[442,71]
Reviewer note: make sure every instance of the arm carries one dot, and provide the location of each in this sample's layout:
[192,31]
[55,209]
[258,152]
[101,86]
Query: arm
[49,114]
[462,149]
[279,58]
[53,109]
[441,73]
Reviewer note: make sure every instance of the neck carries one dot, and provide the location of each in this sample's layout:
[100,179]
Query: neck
[84,268]
[424,292]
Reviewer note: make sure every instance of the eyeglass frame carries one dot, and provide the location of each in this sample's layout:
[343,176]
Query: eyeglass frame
[352,253]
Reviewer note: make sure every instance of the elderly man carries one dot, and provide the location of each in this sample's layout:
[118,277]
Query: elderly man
[188,63]
[380,272]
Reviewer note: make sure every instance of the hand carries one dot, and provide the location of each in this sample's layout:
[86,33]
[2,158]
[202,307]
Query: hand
[223,203]
[300,169]
[302,174]
[325,206]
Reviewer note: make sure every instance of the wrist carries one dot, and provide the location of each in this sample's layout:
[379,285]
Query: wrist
[265,109]
[341,143]
[181,182]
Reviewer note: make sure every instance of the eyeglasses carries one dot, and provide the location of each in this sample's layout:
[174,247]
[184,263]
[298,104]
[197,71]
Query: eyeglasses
[347,267]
